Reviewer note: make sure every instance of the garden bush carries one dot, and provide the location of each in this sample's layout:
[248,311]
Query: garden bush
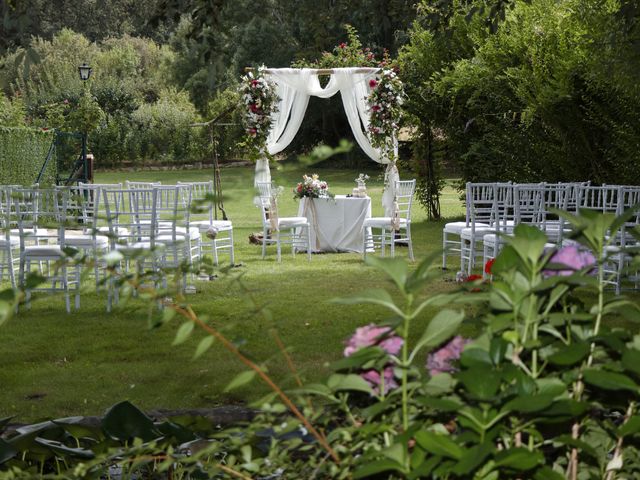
[22,153]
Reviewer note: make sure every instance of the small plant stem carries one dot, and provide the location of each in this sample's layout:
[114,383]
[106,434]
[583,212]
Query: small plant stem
[618,451]
[405,367]
[188,313]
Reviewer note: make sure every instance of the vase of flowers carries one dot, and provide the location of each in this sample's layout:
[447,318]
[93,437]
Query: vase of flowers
[361,188]
[312,187]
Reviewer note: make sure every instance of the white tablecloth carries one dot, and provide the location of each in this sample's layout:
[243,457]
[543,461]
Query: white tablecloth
[336,223]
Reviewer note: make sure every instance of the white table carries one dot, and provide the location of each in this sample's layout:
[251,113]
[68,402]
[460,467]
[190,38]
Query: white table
[336,223]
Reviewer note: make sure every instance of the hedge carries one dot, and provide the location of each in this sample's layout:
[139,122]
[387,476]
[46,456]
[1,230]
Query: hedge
[22,153]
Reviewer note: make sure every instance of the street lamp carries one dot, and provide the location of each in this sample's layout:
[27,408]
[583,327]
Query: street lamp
[85,72]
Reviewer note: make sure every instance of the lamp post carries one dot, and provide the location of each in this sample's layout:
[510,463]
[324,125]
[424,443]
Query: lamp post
[84,71]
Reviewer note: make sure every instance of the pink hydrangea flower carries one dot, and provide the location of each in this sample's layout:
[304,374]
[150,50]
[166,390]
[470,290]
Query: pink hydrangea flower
[572,257]
[441,360]
[373,335]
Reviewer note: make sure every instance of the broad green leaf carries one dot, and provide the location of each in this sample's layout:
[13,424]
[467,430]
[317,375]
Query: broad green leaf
[439,384]
[630,427]
[65,451]
[472,457]
[377,466]
[203,346]
[518,459]
[438,444]
[124,422]
[241,379]
[529,403]
[7,451]
[397,453]
[349,382]
[359,358]
[374,296]
[609,380]
[183,332]
[440,404]
[547,473]
[395,268]
[475,356]
[440,328]
[631,360]
[78,427]
[570,354]
[482,383]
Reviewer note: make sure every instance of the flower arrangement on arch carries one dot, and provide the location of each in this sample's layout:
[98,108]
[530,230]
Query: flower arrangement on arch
[384,102]
[312,187]
[261,102]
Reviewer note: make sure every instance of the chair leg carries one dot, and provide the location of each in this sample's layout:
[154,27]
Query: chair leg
[444,250]
[392,239]
[383,241]
[410,243]
[264,242]
[232,258]
[278,246]
[308,243]
[214,247]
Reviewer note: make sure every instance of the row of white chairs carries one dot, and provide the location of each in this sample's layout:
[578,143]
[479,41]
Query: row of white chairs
[42,225]
[494,209]
[377,232]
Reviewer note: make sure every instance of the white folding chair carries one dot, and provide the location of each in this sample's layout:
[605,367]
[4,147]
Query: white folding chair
[289,230]
[42,214]
[9,243]
[389,226]
[218,233]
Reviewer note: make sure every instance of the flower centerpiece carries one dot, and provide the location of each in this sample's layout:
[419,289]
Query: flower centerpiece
[384,102]
[312,187]
[260,103]
[361,188]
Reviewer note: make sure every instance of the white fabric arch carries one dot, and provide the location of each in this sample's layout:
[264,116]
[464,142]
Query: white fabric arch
[294,86]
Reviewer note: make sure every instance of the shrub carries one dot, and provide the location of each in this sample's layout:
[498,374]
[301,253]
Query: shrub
[22,154]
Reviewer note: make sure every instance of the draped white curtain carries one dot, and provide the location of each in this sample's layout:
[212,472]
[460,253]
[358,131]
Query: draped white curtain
[294,87]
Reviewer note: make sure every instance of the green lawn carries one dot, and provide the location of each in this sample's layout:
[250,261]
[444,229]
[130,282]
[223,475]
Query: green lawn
[54,364]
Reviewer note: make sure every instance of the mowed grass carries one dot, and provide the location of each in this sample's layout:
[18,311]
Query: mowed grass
[55,364]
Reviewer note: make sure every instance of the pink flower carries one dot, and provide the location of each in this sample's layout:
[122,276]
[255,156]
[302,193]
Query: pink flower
[373,335]
[254,83]
[440,360]
[373,83]
[376,108]
[252,132]
[343,45]
[373,377]
[571,257]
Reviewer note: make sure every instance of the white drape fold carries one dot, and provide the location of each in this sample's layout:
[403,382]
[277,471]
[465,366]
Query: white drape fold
[294,86]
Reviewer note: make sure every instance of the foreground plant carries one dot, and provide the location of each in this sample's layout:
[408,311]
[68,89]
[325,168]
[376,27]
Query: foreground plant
[546,389]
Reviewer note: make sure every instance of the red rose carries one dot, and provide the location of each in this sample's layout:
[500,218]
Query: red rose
[253,108]
[373,83]
[254,83]
[376,108]
[488,266]
[343,45]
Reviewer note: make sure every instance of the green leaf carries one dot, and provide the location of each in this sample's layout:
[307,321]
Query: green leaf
[571,354]
[395,268]
[438,444]
[78,427]
[351,381]
[609,380]
[183,333]
[547,473]
[65,451]
[377,466]
[241,379]
[631,361]
[7,451]
[472,458]
[529,403]
[440,328]
[203,346]
[359,358]
[482,383]
[440,404]
[374,297]
[518,459]
[124,422]
[630,427]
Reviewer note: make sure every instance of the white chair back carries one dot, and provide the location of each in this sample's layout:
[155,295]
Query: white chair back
[404,197]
